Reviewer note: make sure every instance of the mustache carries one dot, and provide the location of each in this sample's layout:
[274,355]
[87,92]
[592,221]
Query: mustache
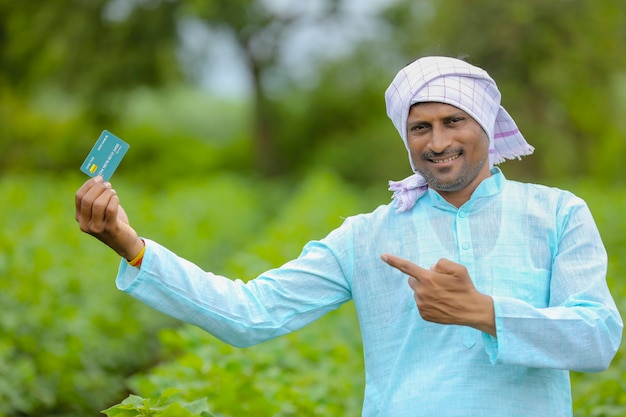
[444,154]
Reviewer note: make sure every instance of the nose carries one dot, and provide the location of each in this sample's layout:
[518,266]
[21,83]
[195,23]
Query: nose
[440,139]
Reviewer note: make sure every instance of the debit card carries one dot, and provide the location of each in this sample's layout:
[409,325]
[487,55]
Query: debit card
[105,156]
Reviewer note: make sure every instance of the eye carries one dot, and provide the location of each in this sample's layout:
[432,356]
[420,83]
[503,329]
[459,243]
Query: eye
[454,119]
[418,127]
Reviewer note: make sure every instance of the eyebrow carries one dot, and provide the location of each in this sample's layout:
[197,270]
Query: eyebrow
[459,113]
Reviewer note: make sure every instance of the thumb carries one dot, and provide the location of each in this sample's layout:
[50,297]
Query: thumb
[121,215]
[446,266]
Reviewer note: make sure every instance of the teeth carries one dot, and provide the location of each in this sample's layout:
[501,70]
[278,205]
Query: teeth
[452,158]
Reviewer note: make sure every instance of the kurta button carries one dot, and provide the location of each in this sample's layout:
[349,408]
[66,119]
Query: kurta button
[462,214]
[465,246]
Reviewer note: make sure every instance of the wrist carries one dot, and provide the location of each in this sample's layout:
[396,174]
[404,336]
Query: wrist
[484,316]
[135,255]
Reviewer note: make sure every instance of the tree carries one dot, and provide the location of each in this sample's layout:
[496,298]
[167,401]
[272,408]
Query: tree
[86,50]
[260,31]
[98,50]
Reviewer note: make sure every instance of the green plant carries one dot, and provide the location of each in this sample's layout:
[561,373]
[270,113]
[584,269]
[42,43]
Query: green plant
[167,405]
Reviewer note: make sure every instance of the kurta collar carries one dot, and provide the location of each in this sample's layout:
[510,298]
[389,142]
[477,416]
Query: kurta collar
[490,186]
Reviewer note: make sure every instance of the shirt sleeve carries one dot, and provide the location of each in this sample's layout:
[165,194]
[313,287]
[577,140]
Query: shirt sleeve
[242,314]
[581,328]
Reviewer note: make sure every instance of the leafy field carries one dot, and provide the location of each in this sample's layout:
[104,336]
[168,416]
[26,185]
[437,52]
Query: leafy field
[604,394]
[68,339]
[72,345]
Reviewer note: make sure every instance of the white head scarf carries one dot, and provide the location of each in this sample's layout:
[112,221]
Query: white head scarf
[460,84]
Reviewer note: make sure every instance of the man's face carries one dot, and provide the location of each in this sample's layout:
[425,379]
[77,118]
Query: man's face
[448,147]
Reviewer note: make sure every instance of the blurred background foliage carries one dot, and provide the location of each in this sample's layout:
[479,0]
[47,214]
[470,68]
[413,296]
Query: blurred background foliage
[70,68]
[236,173]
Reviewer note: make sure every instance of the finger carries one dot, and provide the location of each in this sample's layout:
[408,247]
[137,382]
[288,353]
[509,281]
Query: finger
[446,266]
[403,265]
[82,192]
[122,213]
[413,283]
[111,210]
[101,209]
[92,207]
[86,201]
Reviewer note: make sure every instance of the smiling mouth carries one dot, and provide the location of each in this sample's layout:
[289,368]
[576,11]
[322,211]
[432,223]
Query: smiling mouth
[448,159]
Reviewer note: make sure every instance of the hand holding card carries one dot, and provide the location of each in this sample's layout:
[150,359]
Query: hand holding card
[99,213]
[98,209]
[105,156]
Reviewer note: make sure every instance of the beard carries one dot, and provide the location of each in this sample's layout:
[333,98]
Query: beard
[435,178]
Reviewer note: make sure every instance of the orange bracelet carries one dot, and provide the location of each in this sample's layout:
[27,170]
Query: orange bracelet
[136,261]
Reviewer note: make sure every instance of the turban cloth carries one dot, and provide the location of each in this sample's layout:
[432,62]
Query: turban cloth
[462,85]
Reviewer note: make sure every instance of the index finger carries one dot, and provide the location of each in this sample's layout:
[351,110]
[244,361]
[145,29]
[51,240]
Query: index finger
[403,265]
[83,191]
[86,187]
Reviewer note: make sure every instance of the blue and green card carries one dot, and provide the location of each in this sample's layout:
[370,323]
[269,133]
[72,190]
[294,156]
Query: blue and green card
[105,156]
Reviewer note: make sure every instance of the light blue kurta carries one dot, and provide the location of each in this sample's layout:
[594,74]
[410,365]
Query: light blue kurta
[535,250]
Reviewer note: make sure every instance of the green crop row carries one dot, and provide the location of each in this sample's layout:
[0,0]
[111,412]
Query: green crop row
[67,337]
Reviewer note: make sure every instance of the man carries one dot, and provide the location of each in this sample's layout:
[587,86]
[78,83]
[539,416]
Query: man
[506,281]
